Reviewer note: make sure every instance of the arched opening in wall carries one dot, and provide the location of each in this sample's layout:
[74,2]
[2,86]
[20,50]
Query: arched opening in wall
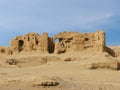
[21,43]
[56,40]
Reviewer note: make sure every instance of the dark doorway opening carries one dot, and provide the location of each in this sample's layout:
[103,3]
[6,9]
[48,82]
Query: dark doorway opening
[21,43]
[51,45]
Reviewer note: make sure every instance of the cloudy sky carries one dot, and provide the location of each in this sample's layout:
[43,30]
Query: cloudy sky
[18,17]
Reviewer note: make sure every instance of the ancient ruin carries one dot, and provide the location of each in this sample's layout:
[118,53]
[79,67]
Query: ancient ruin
[114,51]
[74,41]
[60,43]
[30,42]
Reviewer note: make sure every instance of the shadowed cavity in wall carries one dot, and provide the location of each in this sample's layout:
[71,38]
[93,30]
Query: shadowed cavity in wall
[51,45]
[110,51]
[21,43]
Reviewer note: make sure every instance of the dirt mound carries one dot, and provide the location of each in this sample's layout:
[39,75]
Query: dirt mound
[113,65]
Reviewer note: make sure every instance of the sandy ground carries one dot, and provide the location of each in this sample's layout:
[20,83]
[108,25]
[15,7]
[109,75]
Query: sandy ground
[71,75]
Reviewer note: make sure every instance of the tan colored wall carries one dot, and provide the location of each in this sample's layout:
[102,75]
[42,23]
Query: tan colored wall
[5,50]
[68,41]
[114,51]
[73,41]
[30,42]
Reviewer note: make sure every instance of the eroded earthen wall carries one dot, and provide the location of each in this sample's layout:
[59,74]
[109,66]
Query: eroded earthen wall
[60,43]
[114,51]
[73,41]
[30,42]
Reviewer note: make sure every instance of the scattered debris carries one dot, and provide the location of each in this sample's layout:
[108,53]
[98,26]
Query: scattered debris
[47,83]
[12,61]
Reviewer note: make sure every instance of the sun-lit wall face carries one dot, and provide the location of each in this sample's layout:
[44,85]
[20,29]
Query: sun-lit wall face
[30,42]
[66,42]
[74,41]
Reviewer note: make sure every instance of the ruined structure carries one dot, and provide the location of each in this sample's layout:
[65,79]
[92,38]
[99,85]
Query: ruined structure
[74,41]
[114,51]
[60,43]
[31,42]
[5,50]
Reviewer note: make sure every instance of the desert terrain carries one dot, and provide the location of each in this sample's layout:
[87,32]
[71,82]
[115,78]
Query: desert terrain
[69,71]
[59,45]
[66,61]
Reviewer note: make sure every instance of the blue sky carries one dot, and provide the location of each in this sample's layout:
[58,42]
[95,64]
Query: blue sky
[18,17]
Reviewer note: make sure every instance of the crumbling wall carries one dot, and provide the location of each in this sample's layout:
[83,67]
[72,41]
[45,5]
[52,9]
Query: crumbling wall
[5,50]
[114,51]
[30,42]
[60,43]
[99,41]
[74,41]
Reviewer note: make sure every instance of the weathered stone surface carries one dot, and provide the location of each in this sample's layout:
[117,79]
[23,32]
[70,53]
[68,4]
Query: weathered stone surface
[5,50]
[114,65]
[114,51]
[74,41]
[60,43]
[30,42]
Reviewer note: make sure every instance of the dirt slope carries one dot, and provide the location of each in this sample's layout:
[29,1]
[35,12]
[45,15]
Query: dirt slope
[71,71]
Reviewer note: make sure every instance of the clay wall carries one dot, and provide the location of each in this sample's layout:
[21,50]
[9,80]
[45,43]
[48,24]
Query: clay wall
[73,41]
[30,42]
[60,43]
